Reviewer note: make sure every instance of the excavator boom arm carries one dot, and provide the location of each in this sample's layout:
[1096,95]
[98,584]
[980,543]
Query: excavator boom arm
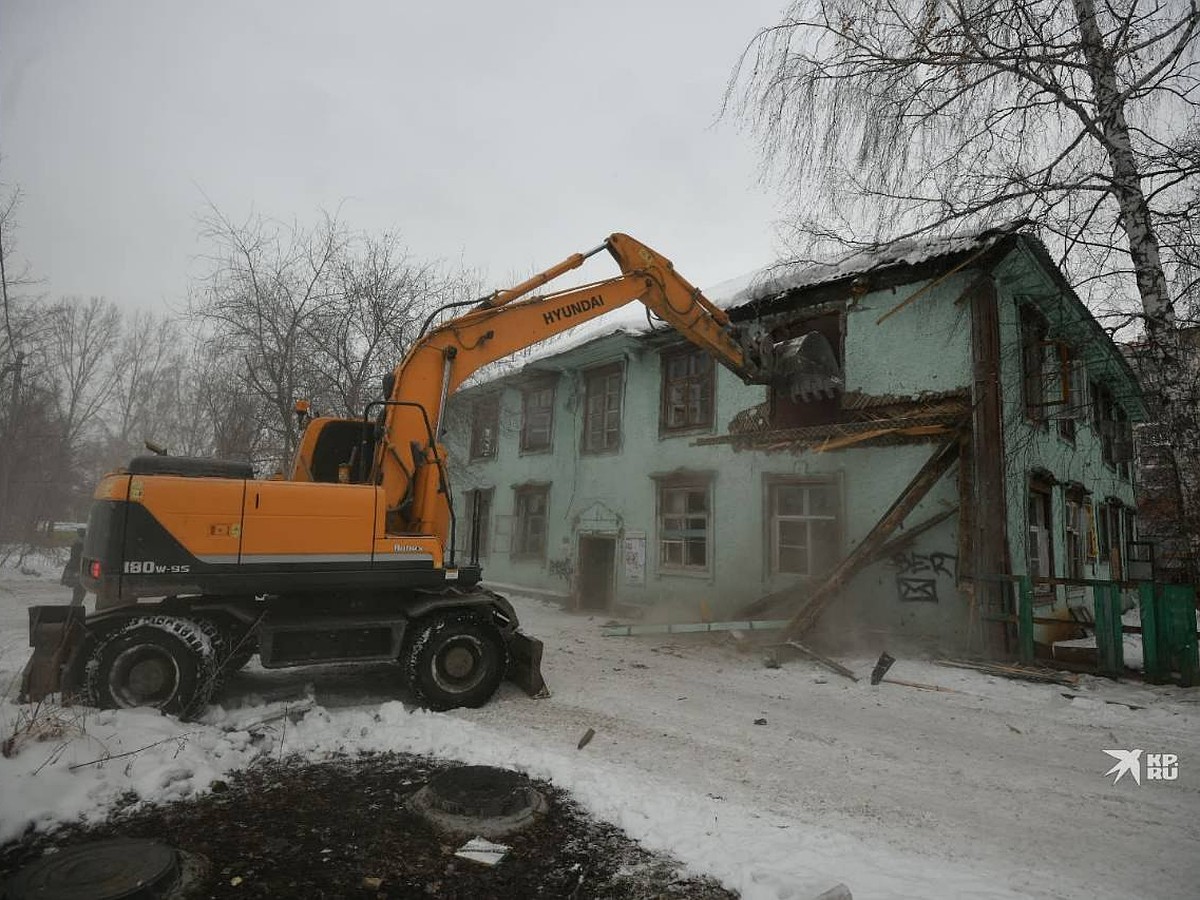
[511,320]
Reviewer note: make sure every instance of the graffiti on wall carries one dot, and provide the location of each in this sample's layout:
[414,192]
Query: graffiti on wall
[917,574]
[561,568]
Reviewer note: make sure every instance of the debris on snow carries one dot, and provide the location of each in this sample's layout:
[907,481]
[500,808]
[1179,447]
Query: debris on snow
[482,851]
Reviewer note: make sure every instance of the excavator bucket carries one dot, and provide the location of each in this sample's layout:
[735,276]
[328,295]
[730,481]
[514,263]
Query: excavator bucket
[53,634]
[525,664]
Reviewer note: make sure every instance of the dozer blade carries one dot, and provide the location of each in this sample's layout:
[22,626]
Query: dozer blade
[525,664]
[53,633]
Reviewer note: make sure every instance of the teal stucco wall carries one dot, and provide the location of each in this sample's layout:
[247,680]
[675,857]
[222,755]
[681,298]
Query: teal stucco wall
[923,348]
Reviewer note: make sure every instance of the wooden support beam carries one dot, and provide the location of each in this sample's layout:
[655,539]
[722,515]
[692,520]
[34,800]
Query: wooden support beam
[832,665]
[935,467]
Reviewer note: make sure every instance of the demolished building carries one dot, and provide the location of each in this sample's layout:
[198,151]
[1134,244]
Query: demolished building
[960,418]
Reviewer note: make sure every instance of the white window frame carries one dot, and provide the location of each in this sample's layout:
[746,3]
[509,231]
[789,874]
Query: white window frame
[775,519]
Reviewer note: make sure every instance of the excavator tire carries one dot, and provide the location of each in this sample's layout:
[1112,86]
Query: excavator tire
[453,659]
[162,662]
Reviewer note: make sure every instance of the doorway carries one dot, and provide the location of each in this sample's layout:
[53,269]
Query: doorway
[597,565]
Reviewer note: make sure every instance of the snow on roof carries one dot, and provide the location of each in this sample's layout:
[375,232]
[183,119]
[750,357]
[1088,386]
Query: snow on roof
[784,277]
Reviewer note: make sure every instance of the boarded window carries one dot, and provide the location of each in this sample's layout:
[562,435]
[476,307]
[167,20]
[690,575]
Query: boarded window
[687,390]
[478,519]
[485,427]
[602,409]
[804,531]
[529,527]
[537,418]
[684,516]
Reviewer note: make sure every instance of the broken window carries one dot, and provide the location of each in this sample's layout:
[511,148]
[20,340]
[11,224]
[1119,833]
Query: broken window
[602,409]
[804,535]
[688,378]
[537,417]
[1112,425]
[1041,536]
[478,518]
[530,507]
[683,525]
[485,427]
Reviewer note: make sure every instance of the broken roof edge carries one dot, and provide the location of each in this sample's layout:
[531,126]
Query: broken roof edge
[911,259]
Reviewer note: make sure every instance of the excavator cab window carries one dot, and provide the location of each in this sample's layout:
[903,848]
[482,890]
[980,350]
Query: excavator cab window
[339,444]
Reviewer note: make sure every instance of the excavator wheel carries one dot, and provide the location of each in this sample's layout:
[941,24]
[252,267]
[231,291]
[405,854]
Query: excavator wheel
[161,662]
[453,659]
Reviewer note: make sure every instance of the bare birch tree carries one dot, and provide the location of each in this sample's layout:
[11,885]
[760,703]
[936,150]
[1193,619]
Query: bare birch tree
[905,117]
[267,283]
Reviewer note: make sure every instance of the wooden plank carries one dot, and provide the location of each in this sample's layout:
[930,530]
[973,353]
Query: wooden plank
[1006,671]
[830,664]
[693,627]
[919,686]
[849,440]
[935,467]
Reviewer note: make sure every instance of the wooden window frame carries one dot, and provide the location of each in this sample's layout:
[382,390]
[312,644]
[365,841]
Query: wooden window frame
[485,411]
[707,380]
[1075,532]
[591,377]
[676,535]
[521,519]
[774,519]
[530,392]
[1044,491]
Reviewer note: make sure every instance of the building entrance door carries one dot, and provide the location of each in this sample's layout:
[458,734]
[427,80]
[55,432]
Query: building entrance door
[597,564]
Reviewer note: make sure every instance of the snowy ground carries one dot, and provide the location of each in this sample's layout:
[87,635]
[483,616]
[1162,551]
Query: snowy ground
[997,791]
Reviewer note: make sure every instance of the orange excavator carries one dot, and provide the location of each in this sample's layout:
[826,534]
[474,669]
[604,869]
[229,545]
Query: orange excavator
[196,565]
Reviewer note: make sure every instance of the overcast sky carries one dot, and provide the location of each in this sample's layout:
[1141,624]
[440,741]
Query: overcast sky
[499,136]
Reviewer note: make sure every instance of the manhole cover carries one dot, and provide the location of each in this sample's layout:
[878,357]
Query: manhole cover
[104,870]
[479,800]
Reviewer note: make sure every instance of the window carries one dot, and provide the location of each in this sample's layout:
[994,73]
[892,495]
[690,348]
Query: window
[1112,424]
[1041,537]
[1075,403]
[1033,362]
[804,534]
[1108,534]
[602,409]
[684,514]
[687,391]
[537,418]
[529,526]
[478,519]
[1122,443]
[485,427]
[1077,533]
